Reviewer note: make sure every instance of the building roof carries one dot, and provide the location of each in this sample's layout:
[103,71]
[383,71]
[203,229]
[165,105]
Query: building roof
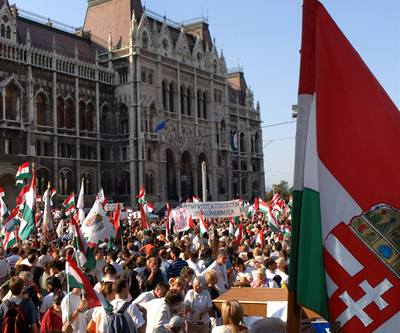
[43,36]
[111,17]
[237,87]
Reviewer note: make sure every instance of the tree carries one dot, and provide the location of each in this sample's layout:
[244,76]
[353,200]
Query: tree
[282,188]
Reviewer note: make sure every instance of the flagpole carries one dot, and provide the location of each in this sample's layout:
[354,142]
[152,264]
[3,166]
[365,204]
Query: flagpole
[121,232]
[34,210]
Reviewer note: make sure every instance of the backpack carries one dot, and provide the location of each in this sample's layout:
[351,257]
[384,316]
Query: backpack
[14,319]
[117,322]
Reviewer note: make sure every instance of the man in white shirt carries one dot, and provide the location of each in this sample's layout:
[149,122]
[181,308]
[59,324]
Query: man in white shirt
[158,292]
[4,267]
[73,308]
[219,266]
[132,313]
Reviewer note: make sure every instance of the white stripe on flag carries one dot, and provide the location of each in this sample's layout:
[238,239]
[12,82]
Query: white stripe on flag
[391,325]
[330,285]
[344,258]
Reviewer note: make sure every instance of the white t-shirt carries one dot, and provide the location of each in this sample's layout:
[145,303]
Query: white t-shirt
[158,314]
[69,305]
[222,329]
[132,313]
[144,297]
[198,302]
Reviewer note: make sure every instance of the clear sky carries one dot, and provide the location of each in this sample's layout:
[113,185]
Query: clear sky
[263,36]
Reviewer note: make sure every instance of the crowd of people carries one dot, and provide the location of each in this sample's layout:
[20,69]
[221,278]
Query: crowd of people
[148,281]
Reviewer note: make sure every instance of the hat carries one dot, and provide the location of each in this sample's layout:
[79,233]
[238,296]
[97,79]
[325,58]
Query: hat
[175,322]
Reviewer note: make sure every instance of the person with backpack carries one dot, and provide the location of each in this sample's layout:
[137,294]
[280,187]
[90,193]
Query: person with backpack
[18,314]
[126,317]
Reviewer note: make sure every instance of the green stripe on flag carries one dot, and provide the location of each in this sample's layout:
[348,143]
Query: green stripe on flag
[73,283]
[28,224]
[307,273]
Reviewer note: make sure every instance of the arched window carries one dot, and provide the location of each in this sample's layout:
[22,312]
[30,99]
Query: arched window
[69,113]
[244,185]
[82,116]
[149,183]
[8,32]
[65,182]
[145,40]
[90,117]
[12,102]
[123,120]
[221,184]
[205,102]
[242,143]
[123,183]
[3,31]
[104,126]
[60,112]
[257,143]
[171,97]
[42,179]
[223,132]
[107,183]
[183,100]
[189,102]
[164,95]
[87,182]
[41,107]
[199,103]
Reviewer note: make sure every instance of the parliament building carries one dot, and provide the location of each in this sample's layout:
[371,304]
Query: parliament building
[85,104]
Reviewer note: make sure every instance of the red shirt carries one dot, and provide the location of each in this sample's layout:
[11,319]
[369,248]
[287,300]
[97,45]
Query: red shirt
[51,322]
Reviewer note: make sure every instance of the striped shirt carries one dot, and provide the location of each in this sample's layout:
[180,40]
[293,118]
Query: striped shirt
[174,269]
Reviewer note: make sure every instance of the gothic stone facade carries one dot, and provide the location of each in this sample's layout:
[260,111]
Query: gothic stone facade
[86,105]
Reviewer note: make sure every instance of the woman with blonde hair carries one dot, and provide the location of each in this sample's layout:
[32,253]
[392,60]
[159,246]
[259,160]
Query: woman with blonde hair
[178,284]
[232,317]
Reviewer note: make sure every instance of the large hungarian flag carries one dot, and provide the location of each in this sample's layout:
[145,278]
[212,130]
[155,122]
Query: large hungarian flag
[97,227]
[203,225]
[142,196]
[345,262]
[69,204]
[76,279]
[28,215]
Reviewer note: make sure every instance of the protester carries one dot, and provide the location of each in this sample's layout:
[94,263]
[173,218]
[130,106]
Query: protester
[52,319]
[232,318]
[219,266]
[198,306]
[174,269]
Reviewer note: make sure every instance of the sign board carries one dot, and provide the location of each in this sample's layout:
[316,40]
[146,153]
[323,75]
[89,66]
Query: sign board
[180,217]
[112,206]
[211,209]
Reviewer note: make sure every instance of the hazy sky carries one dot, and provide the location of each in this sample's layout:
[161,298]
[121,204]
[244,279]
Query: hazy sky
[263,36]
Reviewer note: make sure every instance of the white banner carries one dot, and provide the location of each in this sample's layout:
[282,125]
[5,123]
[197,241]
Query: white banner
[212,210]
[112,206]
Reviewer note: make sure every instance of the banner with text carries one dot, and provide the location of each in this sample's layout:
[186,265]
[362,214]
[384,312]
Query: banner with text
[212,210]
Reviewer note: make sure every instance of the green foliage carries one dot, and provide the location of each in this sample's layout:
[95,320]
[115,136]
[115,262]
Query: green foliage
[282,188]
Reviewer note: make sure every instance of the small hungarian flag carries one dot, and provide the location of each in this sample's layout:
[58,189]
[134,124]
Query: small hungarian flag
[76,279]
[69,204]
[11,221]
[239,233]
[191,223]
[203,225]
[117,217]
[263,206]
[4,213]
[141,196]
[346,218]
[22,173]
[143,218]
[168,222]
[260,238]
[256,204]
[81,204]
[9,239]
[231,226]
[28,217]
[149,207]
